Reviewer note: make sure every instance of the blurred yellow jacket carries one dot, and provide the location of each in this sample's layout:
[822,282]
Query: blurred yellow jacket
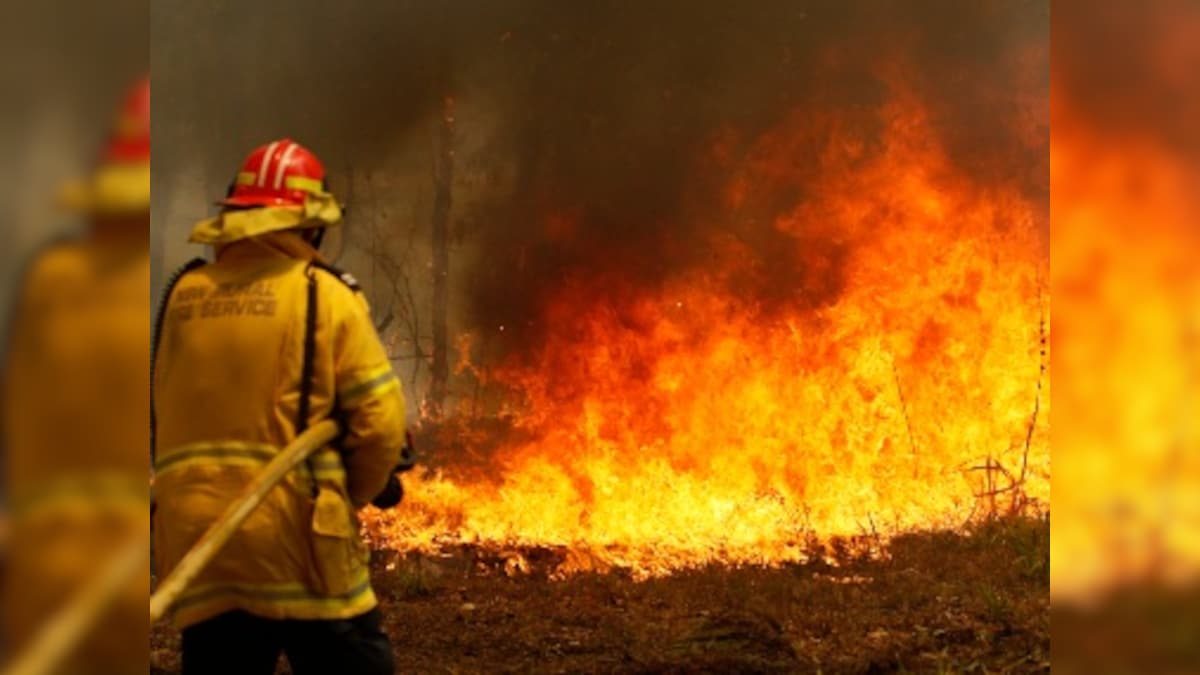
[74,441]
[228,381]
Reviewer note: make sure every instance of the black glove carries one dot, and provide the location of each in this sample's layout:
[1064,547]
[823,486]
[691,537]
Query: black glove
[408,455]
[392,493]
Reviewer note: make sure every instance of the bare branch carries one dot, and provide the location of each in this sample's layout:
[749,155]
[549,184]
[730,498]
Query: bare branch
[1037,399]
[387,321]
[912,440]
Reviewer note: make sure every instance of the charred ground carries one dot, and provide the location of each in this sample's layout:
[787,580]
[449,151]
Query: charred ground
[933,602]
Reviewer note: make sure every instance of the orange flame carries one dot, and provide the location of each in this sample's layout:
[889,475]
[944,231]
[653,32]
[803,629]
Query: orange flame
[687,424]
[1125,243]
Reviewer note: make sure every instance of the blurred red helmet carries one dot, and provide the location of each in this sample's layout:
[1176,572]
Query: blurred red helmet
[130,140]
[280,173]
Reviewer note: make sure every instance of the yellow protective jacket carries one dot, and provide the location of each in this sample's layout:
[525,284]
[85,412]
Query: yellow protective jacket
[74,442]
[227,392]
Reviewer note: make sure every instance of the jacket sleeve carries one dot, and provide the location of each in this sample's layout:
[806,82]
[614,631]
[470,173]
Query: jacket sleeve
[368,398]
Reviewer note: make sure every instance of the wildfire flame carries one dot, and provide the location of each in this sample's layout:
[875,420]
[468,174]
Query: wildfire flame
[692,422]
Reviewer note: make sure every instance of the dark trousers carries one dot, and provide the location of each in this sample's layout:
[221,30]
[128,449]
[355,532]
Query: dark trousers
[237,643]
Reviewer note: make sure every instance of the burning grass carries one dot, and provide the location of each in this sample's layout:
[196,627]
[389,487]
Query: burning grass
[869,357]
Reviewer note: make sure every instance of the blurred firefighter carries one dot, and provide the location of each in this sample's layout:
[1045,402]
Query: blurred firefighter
[250,350]
[74,407]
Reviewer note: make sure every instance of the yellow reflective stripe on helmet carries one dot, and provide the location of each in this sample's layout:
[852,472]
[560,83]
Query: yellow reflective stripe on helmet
[227,452]
[112,188]
[302,183]
[246,178]
[374,382]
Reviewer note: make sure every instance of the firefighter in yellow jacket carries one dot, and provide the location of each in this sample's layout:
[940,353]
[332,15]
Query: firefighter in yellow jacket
[249,351]
[73,411]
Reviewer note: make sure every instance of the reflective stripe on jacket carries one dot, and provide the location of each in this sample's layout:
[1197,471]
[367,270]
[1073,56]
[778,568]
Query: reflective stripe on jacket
[227,398]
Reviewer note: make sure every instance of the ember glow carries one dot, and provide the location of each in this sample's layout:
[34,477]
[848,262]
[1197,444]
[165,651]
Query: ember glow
[892,378]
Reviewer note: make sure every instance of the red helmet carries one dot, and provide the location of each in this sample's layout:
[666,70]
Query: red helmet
[280,173]
[130,140]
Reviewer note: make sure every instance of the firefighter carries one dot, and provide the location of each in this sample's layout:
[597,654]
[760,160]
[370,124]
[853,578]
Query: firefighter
[74,408]
[252,349]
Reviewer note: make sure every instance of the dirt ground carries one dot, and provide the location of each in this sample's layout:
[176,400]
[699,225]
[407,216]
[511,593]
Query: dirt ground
[973,601]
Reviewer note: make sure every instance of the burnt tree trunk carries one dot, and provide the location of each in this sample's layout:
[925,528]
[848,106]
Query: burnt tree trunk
[443,175]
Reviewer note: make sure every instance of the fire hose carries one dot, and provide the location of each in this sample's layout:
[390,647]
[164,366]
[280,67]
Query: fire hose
[64,631]
[219,533]
[67,629]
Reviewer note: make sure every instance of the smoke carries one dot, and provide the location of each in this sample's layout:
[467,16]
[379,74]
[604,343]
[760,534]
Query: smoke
[1158,100]
[614,114]
[599,122]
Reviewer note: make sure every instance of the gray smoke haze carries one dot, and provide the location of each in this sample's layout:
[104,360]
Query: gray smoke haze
[599,110]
